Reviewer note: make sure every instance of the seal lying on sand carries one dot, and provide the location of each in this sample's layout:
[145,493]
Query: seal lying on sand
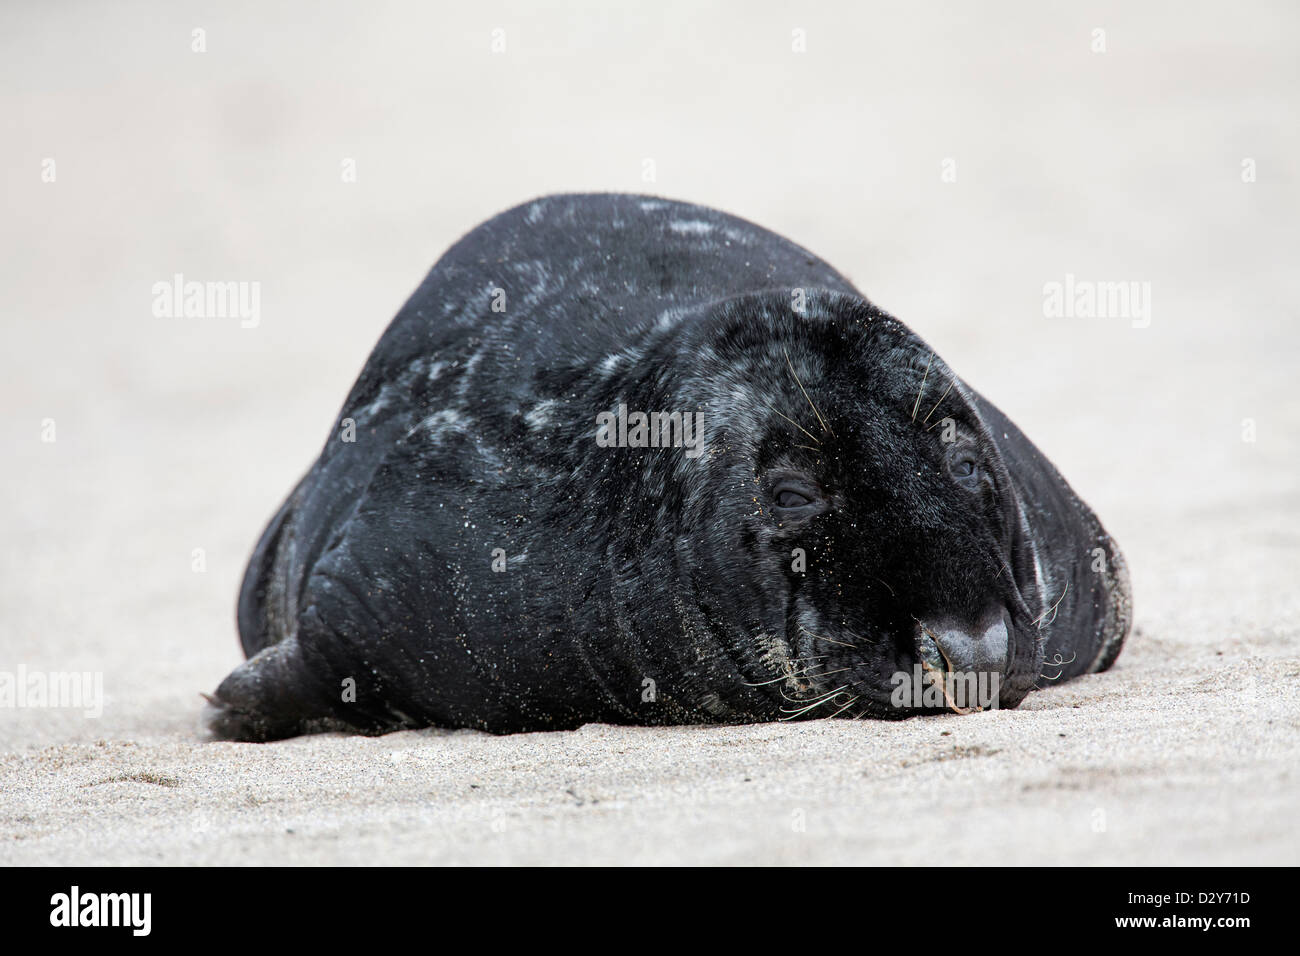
[629,460]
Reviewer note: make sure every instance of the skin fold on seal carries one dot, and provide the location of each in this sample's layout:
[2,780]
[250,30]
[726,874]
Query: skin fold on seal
[630,460]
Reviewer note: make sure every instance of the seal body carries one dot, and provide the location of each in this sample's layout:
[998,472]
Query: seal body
[630,460]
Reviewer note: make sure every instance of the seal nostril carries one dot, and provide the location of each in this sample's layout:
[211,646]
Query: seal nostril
[983,647]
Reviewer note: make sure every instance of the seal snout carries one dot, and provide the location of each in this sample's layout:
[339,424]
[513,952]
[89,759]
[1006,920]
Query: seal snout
[976,652]
[983,647]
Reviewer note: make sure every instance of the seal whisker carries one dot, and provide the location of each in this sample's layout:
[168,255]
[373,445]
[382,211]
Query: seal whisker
[917,404]
[1039,622]
[796,425]
[852,701]
[806,675]
[825,427]
[940,401]
[1059,664]
[792,714]
[818,696]
[794,700]
[793,674]
[838,670]
[774,680]
[818,637]
[815,704]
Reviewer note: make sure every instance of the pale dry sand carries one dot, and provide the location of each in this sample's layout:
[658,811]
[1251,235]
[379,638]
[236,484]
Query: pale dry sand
[177,434]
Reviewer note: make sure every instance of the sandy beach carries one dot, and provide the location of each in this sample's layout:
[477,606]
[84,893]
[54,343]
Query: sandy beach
[952,164]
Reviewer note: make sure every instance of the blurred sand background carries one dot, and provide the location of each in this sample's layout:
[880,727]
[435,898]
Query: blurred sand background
[177,434]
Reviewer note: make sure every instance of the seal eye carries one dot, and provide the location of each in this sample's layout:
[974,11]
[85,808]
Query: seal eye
[786,498]
[794,498]
[964,469]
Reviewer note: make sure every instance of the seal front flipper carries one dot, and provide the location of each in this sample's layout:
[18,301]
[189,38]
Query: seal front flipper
[379,643]
[269,697]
